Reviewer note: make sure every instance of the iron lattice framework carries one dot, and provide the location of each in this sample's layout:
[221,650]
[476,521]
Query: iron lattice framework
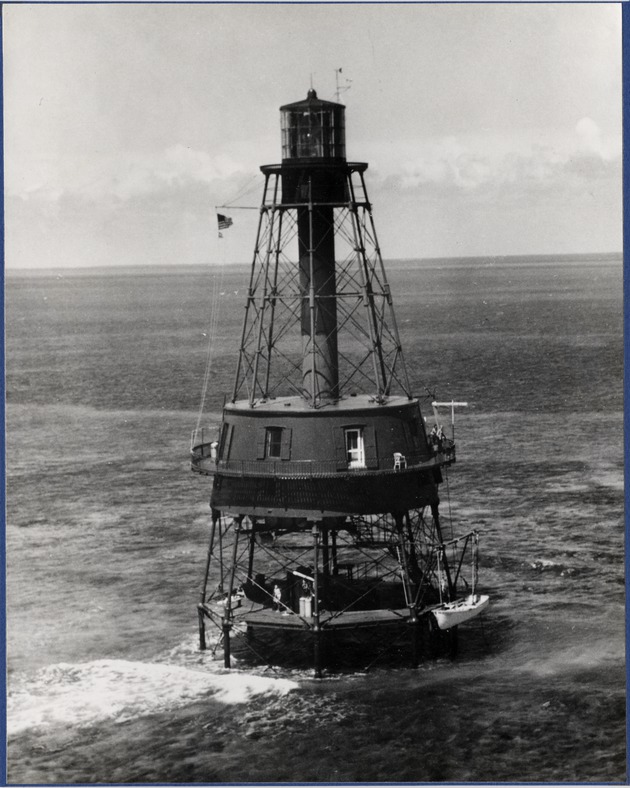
[378,550]
[370,358]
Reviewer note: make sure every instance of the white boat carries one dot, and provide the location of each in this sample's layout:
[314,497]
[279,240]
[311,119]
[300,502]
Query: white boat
[453,613]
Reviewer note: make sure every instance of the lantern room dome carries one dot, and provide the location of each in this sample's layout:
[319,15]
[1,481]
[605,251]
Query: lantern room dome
[311,101]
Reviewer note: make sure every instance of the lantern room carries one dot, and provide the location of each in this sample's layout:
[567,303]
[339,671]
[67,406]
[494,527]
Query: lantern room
[313,129]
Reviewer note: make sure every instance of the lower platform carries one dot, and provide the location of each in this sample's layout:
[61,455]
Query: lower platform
[351,619]
[336,640]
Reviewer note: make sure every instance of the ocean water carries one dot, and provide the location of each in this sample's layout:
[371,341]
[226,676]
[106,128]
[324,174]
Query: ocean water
[107,533]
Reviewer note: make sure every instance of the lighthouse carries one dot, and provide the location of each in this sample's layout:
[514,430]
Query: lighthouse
[325,498]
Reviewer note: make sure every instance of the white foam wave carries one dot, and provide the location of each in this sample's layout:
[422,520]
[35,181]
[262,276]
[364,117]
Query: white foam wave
[544,563]
[119,690]
[598,656]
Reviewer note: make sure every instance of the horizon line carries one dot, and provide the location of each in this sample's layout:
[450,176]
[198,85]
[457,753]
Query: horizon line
[206,264]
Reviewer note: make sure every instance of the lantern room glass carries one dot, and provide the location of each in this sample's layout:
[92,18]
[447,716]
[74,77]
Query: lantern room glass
[316,132]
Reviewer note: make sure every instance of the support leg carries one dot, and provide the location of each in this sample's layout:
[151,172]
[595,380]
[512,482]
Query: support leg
[438,531]
[202,629]
[226,644]
[415,641]
[216,515]
[227,620]
[317,632]
[317,651]
[335,566]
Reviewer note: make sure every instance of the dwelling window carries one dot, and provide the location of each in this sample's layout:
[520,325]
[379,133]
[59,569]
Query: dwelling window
[355,449]
[273,442]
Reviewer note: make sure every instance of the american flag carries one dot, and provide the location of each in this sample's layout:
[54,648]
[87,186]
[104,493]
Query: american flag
[224,221]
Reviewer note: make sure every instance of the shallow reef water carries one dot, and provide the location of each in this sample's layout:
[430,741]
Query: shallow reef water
[107,533]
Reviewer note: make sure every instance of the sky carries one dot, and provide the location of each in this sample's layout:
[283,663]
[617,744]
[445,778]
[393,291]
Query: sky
[489,129]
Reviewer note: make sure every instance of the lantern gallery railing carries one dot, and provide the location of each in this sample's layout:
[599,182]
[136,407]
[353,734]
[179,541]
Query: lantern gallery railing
[201,455]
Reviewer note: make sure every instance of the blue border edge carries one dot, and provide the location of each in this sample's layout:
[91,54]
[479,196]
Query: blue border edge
[3,584]
[625,18]
[625,38]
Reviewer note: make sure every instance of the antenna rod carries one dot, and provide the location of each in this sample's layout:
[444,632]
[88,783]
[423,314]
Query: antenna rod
[452,405]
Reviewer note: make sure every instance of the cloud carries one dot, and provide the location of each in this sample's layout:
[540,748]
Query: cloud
[590,140]
[478,169]
[176,167]
[100,177]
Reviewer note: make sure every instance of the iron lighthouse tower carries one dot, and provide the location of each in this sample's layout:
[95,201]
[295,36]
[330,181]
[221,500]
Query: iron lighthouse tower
[325,495]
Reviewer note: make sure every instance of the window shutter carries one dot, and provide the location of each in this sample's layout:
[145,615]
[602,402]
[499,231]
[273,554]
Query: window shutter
[339,441]
[227,443]
[285,451]
[222,436]
[260,443]
[369,443]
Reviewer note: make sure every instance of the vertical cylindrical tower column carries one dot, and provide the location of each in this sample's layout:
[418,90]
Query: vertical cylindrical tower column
[313,180]
[320,372]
